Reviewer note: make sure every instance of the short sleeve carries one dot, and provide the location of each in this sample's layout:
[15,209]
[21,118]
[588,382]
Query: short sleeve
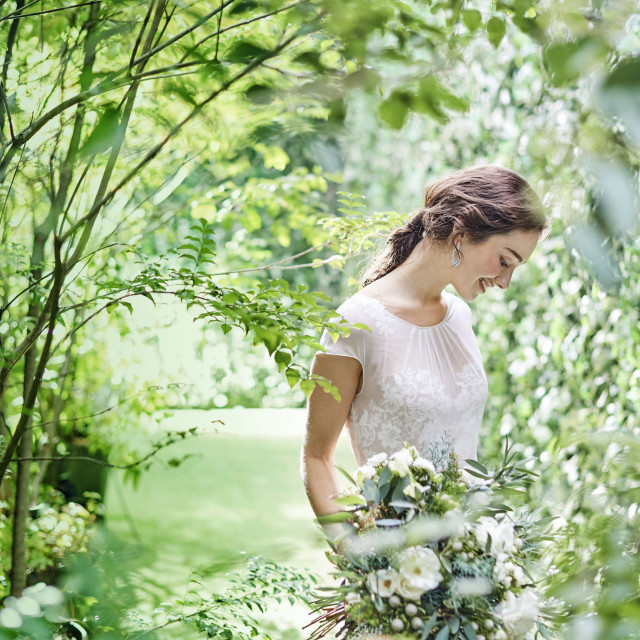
[353,345]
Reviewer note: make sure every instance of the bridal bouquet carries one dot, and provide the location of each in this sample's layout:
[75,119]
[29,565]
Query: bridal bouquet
[430,552]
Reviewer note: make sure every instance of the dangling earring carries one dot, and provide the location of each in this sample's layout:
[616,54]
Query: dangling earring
[456,255]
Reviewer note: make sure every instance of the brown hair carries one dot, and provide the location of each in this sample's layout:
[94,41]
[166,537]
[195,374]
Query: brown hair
[478,201]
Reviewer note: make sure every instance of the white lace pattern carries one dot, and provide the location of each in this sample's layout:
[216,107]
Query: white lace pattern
[419,383]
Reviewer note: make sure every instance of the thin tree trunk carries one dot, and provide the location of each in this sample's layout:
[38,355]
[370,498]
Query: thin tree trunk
[18,574]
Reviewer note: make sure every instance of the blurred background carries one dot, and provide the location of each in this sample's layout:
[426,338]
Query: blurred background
[262,156]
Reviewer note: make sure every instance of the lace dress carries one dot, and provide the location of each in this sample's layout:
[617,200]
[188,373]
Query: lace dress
[419,383]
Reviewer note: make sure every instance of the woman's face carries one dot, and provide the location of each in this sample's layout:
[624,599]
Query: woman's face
[491,263]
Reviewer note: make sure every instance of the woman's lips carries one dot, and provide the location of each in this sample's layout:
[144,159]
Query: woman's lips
[483,287]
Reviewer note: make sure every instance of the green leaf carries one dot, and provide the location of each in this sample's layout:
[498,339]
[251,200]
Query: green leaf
[283,359]
[395,108]
[341,516]
[454,625]
[496,29]
[347,501]
[245,51]
[347,475]
[426,630]
[111,307]
[476,465]
[544,631]
[443,634]
[472,19]
[259,94]
[225,328]
[292,375]
[104,133]
[469,631]
[128,305]
[307,386]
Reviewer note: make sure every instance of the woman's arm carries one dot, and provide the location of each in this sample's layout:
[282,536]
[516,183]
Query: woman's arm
[325,420]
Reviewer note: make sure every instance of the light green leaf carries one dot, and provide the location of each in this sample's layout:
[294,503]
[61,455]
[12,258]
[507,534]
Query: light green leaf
[496,30]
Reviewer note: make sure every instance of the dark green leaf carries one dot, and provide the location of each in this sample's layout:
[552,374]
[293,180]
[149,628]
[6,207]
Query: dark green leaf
[245,51]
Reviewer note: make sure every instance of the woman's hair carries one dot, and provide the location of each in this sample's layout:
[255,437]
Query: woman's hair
[478,202]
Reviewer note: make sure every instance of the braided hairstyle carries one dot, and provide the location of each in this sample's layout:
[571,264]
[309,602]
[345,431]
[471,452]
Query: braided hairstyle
[478,202]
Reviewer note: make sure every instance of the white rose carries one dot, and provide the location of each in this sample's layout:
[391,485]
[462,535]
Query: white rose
[419,570]
[365,472]
[379,458]
[518,614]
[424,464]
[383,582]
[398,466]
[407,589]
[405,455]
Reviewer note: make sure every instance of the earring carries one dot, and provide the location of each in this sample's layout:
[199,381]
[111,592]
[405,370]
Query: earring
[456,255]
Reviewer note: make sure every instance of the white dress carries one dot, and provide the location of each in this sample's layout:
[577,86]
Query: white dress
[419,383]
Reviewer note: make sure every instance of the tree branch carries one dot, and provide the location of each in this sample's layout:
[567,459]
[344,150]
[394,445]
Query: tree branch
[15,15]
[173,132]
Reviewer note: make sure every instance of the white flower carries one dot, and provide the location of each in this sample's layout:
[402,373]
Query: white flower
[501,536]
[379,458]
[406,455]
[424,464]
[352,597]
[419,570]
[398,466]
[365,472]
[383,582]
[518,614]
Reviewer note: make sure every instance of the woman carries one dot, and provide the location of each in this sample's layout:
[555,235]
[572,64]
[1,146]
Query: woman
[417,375]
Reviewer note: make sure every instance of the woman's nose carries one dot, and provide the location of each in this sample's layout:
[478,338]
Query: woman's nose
[503,280]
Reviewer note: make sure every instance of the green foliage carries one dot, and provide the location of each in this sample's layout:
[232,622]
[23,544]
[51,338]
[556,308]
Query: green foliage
[234,612]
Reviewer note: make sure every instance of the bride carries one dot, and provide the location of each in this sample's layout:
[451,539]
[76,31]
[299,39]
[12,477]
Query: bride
[417,374]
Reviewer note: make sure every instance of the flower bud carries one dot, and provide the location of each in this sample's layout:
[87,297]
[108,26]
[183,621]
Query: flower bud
[489,624]
[500,635]
[456,545]
[411,609]
[394,601]
[417,623]
[397,624]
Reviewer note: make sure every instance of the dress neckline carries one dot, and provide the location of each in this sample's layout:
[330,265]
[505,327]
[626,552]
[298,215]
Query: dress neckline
[445,294]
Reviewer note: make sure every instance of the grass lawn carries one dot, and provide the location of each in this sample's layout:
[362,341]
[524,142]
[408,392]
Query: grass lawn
[240,491]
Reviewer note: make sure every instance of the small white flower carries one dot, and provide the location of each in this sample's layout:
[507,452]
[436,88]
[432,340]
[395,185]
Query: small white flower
[456,545]
[352,597]
[424,464]
[366,472]
[398,467]
[383,582]
[376,460]
[500,635]
[411,609]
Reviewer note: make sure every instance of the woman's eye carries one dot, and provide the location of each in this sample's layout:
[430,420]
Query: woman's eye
[503,262]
